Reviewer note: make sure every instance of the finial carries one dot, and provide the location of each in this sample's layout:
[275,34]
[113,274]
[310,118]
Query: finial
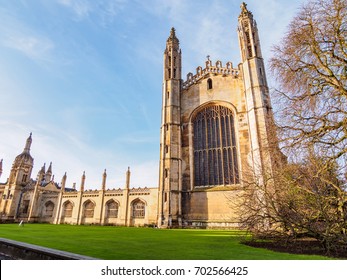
[208,57]
[244,11]
[173,32]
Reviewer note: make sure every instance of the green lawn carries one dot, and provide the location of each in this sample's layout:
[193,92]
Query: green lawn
[120,243]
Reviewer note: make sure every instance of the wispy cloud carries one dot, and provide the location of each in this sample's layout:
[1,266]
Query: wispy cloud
[34,47]
[104,10]
[81,8]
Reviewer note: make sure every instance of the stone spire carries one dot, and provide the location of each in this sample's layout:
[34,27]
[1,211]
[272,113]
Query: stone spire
[83,179]
[48,175]
[28,144]
[127,184]
[104,176]
[41,172]
[63,182]
[0,167]
[169,209]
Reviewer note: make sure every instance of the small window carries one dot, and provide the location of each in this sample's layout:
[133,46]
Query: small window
[209,84]
[24,178]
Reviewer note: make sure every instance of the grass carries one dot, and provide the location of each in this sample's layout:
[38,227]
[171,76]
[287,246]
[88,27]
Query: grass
[121,243]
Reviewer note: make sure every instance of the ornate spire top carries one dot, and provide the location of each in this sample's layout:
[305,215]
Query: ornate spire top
[50,168]
[172,36]
[28,144]
[244,11]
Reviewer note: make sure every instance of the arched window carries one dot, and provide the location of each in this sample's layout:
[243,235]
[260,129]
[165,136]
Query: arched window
[67,212]
[112,209]
[209,84]
[138,210]
[215,152]
[49,207]
[89,209]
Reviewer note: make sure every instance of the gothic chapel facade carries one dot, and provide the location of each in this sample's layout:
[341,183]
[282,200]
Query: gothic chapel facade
[215,126]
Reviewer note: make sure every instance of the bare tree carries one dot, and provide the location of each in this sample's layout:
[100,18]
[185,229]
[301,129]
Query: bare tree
[305,198]
[307,194]
[310,65]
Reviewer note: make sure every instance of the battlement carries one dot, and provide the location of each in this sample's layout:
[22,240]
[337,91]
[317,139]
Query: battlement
[201,73]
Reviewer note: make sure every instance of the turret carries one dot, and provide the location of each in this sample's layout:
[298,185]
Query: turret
[256,92]
[48,175]
[104,176]
[22,166]
[83,179]
[127,183]
[63,182]
[169,210]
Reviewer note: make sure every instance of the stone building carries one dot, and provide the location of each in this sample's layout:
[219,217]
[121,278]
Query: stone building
[215,126]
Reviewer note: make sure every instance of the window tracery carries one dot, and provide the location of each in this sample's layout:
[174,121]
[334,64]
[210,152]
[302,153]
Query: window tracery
[215,152]
[89,209]
[49,207]
[68,209]
[112,209]
[138,209]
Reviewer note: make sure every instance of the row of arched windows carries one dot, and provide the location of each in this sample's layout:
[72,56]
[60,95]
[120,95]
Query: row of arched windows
[112,208]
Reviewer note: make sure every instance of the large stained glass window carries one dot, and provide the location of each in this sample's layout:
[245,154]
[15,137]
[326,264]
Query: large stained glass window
[215,152]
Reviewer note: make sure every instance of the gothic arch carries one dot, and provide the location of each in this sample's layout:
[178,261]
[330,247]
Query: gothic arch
[215,151]
[138,208]
[67,209]
[49,208]
[88,209]
[112,208]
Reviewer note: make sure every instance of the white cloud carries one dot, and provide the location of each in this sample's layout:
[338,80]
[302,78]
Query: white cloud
[36,48]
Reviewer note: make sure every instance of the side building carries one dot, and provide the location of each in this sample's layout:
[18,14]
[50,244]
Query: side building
[44,200]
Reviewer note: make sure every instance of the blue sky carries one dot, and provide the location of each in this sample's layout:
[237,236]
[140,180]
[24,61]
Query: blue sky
[85,77]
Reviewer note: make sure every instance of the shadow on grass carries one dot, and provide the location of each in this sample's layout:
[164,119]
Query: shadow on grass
[301,246]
